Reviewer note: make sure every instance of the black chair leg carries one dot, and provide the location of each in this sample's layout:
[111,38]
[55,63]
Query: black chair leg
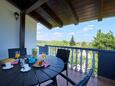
[54,81]
[67,75]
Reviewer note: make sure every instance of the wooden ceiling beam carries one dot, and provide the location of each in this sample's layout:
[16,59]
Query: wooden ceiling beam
[36,5]
[10,1]
[39,18]
[68,2]
[100,10]
[52,14]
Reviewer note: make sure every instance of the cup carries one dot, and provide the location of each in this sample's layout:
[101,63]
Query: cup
[8,64]
[26,66]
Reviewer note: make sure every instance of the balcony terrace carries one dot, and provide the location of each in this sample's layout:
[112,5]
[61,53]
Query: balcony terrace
[18,21]
[82,59]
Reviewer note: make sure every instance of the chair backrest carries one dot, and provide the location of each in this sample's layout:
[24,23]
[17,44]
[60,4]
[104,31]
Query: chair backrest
[43,49]
[63,54]
[82,82]
[12,52]
[85,80]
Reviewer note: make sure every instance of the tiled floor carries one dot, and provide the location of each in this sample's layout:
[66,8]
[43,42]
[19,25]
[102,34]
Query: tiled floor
[76,76]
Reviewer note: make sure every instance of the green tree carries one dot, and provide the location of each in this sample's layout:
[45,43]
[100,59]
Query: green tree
[83,44]
[65,43]
[72,42]
[104,40]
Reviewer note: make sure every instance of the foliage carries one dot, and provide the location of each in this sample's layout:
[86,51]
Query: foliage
[72,42]
[84,44]
[65,43]
[104,40]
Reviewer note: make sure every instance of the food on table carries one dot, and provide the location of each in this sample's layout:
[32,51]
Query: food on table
[39,63]
[8,60]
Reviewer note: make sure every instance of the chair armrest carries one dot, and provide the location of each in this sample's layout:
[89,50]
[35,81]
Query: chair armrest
[68,79]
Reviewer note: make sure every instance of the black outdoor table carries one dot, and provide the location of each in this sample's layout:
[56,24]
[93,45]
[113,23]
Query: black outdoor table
[14,77]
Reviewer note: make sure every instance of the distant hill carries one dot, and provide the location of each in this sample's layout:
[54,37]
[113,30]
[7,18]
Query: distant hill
[63,43]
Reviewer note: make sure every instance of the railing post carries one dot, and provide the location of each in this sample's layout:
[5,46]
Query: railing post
[86,64]
[49,50]
[72,62]
[76,58]
[55,51]
[81,61]
[93,61]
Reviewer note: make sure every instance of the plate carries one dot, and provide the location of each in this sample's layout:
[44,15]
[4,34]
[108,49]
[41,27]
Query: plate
[36,65]
[7,67]
[25,70]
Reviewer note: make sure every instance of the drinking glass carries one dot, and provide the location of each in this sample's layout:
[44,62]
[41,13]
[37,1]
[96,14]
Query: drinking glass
[43,56]
[34,52]
[17,54]
[22,62]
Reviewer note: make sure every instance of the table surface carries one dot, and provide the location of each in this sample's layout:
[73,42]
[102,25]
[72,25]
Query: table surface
[14,77]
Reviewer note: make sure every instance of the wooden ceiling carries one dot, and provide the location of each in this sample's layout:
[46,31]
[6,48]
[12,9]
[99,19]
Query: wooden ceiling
[57,13]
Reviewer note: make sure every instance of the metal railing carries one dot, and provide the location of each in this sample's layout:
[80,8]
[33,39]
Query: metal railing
[81,59]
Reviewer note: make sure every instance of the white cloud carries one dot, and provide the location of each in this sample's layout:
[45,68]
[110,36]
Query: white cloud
[88,28]
[57,33]
[71,33]
[40,27]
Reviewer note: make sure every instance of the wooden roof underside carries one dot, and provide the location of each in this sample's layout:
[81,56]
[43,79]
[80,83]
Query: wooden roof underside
[57,13]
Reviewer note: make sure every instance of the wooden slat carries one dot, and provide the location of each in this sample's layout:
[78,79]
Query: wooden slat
[72,10]
[38,17]
[84,3]
[87,7]
[87,19]
[52,14]
[100,9]
[66,10]
[36,5]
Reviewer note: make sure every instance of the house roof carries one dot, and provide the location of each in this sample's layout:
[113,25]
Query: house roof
[57,13]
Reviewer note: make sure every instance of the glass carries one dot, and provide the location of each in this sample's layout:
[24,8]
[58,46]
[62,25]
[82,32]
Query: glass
[34,52]
[22,62]
[17,54]
[43,56]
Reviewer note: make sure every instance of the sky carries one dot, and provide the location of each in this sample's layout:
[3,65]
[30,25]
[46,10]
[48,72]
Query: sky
[85,31]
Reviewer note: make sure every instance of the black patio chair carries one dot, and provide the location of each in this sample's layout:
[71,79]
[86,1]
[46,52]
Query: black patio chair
[64,55]
[12,52]
[82,82]
[43,49]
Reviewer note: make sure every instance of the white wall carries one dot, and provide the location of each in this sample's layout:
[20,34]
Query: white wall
[30,34]
[9,29]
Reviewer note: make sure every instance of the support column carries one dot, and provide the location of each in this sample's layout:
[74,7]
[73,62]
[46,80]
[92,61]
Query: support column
[22,30]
